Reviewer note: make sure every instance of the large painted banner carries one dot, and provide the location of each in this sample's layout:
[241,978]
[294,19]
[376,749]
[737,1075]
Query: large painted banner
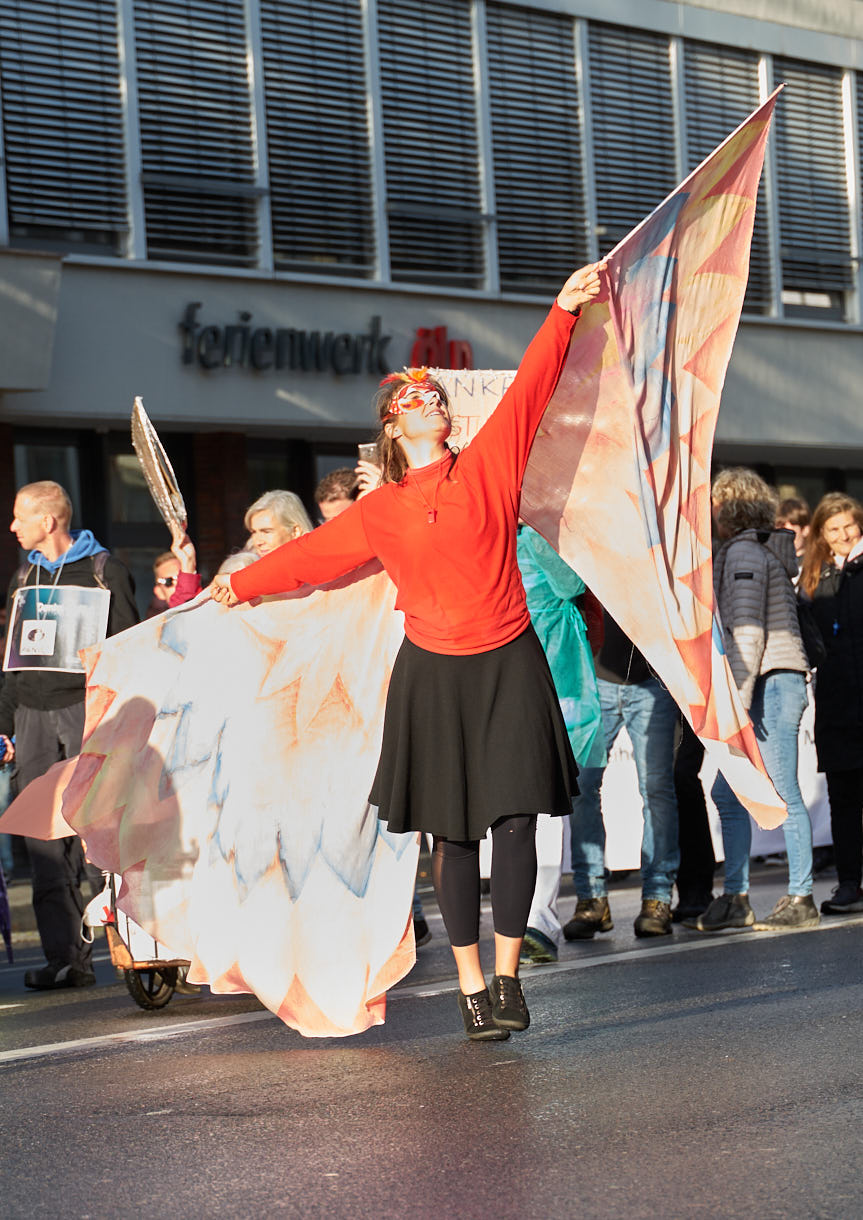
[228,754]
[619,475]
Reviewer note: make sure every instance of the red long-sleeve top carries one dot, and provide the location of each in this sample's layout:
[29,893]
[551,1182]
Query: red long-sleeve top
[458,580]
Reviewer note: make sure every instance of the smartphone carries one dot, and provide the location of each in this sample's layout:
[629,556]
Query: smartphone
[369,453]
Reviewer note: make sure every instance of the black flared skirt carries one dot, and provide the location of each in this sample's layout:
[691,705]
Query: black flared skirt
[470,739]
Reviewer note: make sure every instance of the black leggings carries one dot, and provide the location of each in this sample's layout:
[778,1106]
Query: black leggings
[455,873]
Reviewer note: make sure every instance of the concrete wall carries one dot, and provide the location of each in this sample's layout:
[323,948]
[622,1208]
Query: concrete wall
[29,286]
[119,335]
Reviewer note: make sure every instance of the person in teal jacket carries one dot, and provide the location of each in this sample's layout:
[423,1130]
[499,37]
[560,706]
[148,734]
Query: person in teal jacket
[553,590]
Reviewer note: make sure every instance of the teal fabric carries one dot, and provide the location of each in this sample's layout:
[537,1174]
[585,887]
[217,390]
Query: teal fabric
[552,587]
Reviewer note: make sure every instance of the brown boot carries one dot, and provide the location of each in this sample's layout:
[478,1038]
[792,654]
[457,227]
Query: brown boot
[654,919]
[592,915]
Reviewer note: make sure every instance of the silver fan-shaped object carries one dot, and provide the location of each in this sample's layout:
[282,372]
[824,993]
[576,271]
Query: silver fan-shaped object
[157,469]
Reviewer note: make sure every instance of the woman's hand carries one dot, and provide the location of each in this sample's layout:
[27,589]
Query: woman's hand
[368,477]
[582,286]
[7,749]
[220,590]
[183,549]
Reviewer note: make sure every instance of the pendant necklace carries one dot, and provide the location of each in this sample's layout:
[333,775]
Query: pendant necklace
[432,507]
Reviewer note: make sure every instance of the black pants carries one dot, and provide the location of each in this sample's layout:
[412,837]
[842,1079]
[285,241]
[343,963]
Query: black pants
[58,866]
[697,858]
[845,789]
[455,873]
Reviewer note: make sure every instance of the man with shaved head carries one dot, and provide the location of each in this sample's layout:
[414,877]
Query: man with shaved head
[43,709]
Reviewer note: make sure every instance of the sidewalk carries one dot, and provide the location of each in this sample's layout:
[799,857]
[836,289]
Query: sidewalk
[767,886]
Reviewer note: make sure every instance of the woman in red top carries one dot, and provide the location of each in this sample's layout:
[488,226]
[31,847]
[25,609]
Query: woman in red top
[473,734]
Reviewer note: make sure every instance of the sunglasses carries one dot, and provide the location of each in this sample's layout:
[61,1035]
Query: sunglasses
[167,581]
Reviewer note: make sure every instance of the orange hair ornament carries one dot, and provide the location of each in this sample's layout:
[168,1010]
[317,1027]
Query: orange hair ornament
[417,390]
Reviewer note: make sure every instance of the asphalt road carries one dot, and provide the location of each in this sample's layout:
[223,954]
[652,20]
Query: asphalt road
[691,1077]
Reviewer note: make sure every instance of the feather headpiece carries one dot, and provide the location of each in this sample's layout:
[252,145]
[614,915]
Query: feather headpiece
[417,390]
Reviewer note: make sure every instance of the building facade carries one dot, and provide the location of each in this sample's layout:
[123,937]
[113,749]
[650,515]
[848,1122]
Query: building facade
[248,211]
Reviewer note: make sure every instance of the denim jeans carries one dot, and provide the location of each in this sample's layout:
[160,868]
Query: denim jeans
[778,703]
[650,716]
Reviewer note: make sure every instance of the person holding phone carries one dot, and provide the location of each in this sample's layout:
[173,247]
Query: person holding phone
[473,732]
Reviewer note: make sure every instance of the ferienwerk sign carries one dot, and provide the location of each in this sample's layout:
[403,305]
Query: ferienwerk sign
[264,347]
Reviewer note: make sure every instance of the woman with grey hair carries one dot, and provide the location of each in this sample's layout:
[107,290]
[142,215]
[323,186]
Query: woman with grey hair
[275,518]
[755,601]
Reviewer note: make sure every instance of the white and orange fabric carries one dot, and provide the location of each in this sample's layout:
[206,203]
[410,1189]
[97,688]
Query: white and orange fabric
[228,754]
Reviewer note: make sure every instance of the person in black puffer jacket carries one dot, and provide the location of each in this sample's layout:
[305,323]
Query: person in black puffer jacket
[832,582]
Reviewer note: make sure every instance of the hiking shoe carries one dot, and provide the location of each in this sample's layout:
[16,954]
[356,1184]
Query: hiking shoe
[845,898]
[422,932]
[537,949]
[791,912]
[654,919]
[507,1003]
[690,906]
[726,911]
[592,915]
[63,974]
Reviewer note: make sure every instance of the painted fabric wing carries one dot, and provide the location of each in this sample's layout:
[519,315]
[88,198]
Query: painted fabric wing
[619,474]
[226,763]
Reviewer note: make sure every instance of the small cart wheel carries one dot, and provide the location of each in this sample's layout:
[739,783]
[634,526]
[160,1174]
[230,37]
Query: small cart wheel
[152,988]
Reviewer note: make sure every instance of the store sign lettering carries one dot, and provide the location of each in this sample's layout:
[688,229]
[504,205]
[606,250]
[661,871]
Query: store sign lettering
[240,345]
[264,347]
[433,349]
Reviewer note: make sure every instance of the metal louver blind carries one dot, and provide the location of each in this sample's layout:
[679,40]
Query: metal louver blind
[813,197]
[62,124]
[430,144]
[721,90]
[196,132]
[317,135]
[632,125]
[536,143]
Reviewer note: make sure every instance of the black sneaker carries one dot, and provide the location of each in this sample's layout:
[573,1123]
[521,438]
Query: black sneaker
[654,918]
[847,897]
[791,912]
[479,1024]
[507,1003]
[422,932]
[53,977]
[690,906]
[726,911]
[592,915]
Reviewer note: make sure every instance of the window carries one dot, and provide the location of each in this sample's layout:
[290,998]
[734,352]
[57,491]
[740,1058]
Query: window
[62,125]
[200,198]
[814,221]
[536,142]
[430,144]
[633,127]
[721,90]
[317,135]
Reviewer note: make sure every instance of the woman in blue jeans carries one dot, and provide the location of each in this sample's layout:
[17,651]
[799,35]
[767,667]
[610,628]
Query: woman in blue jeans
[756,604]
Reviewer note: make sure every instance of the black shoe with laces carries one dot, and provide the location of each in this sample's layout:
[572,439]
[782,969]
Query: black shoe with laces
[845,899]
[479,1024]
[507,1003]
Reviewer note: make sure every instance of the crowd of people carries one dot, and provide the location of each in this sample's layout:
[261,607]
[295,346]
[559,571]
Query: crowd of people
[511,686]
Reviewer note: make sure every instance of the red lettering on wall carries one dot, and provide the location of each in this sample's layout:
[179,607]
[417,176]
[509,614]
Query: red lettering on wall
[432,349]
